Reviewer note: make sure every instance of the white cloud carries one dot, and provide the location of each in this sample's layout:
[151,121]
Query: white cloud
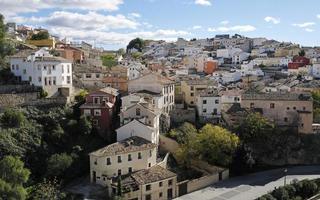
[196,27]
[272,20]
[134,15]
[114,38]
[225,22]
[318,16]
[304,25]
[203,2]
[238,28]
[90,20]
[13,7]
[309,30]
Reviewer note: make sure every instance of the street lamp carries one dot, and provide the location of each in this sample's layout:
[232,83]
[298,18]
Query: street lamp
[285,176]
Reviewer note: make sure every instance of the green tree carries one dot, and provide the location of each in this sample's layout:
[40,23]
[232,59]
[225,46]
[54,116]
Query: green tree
[216,145]
[281,194]
[184,134]
[137,44]
[253,126]
[136,55]
[81,97]
[121,52]
[12,118]
[12,177]
[46,190]
[42,35]
[84,125]
[109,60]
[58,164]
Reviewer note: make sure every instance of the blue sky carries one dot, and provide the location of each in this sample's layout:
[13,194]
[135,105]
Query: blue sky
[112,23]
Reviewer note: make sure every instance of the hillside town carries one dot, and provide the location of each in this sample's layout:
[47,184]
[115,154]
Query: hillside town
[155,120]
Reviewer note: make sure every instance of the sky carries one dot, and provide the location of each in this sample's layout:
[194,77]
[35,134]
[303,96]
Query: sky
[113,23]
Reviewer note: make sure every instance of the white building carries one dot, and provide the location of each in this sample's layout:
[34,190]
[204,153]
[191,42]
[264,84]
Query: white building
[52,74]
[157,84]
[226,77]
[135,70]
[239,57]
[227,53]
[248,69]
[230,96]
[208,103]
[315,70]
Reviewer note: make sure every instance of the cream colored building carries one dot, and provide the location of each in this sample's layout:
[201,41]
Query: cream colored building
[284,109]
[190,89]
[127,156]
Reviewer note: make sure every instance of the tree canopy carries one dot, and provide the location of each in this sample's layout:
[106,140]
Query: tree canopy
[109,60]
[42,35]
[137,44]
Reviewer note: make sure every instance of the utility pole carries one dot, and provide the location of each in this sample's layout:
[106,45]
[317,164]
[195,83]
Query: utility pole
[285,176]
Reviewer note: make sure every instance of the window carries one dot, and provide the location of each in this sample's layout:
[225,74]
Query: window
[12,67]
[160,184]
[304,108]
[68,80]
[119,172]
[215,111]
[204,101]
[97,75]
[97,112]
[192,94]
[44,67]
[169,193]
[62,68]
[87,112]
[30,78]
[204,110]
[24,71]
[148,197]
[288,108]
[138,112]
[88,75]
[272,105]
[39,79]
[17,67]
[302,125]
[251,105]
[53,67]
[149,164]
[286,119]
[54,81]
[191,88]
[96,100]
[294,108]
[129,157]
[119,159]
[170,182]
[68,68]
[139,155]
[148,187]
[108,161]
[217,101]
[160,194]
[150,153]
[95,162]
[130,169]
[191,102]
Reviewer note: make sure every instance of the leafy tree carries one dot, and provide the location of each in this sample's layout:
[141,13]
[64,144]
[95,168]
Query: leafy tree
[253,126]
[216,145]
[109,60]
[58,164]
[84,125]
[184,134]
[12,177]
[42,35]
[306,188]
[267,197]
[46,190]
[137,44]
[12,118]
[281,194]
[81,97]
[121,52]
[136,55]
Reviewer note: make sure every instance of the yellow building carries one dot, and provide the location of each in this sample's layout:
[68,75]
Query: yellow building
[284,109]
[190,88]
[50,43]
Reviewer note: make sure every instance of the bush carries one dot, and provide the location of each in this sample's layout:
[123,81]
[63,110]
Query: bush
[58,164]
[12,118]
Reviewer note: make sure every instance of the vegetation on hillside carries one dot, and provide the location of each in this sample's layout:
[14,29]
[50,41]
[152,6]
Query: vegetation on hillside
[137,44]
[53,144]
[109,60]
[42,35]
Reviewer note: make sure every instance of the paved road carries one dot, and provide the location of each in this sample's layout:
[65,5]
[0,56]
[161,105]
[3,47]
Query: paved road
[252,186]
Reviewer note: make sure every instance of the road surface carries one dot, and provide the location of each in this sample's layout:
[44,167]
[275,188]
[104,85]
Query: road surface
[252,186]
